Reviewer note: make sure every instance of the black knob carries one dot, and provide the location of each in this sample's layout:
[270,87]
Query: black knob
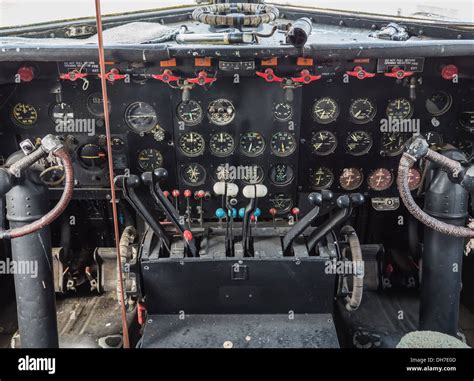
[357,199]
[147,178]
[343,201]
[315,198]
[160,174]
[327,195]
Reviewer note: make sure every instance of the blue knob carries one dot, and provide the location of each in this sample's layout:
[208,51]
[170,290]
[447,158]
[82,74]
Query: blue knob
[233,213]
[241,212]
[220,213]
[257,212]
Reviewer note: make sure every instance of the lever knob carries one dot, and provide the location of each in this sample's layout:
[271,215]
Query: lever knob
[315,198]
[357,199]
[175,193]
[166,194]
[220,213]
[199,194]
[160,174]
[327,195]
[241,212]
[343,201]
[272,211]
[233,213]
[257,212]
[187,193]
[295,211]
[187,235]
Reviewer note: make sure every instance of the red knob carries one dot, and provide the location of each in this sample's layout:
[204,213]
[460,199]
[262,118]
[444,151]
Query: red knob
[187,235]
[175,193]
[166,77]
[187,193]
[202,79]
[399,73]
[269,75]
[252,218]
[166,194]
[26,73]
[295,211]
[200,194]
[113,75]
[306,77]
[272,211]
[448,72]
[360,73]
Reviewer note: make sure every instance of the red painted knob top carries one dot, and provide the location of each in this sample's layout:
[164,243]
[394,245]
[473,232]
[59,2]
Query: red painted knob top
[295,211]
[448,72]
[187,193]
[272,211]
[200,194]
[175,193]
[252,218]
[166,193]
[187,235]
[26,73]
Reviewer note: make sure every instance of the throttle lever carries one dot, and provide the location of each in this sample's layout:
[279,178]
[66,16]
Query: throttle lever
[316,199]
[251,192]
[153,182]
[346,203]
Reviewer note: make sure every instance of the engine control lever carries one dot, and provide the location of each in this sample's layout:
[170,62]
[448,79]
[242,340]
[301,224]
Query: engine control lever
[252,192]
[152,179]
[315,199]
[346,203]
[128,185]
[227,190]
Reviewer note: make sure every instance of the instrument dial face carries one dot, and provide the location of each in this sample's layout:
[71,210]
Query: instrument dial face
[433,138]
[466,117]
[253,174]
[380,179]
[92,156]
[222,144]
[400,108]
[252,144]
[221,112]
[362,110]
[323,143]
[61,112]
[351,178]
[439,103]
[150,159]
[325,110]
[281,202]
[283,111]
[24,114]
[194,174]
[283,144]
[140,117]
[281,174]
[191,144]
[223,172]
[358,143]
[321,178]
[95,105]
[190,112]
[414,178]
[392,143]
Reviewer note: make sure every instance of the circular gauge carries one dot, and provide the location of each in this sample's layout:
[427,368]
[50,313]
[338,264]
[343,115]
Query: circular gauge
[283,144]
[392,143]
[149,159]
[92,156]
[438,103]
[140,117]
[252,144]
[399,108]
[223,172]
[221,144]
[194,174]
[252,174]
[190,112]
[281,174]
[191,143]
[433,138]
[325,110]
[24,114]
[61,112]
[117,144]
[95,104]
[466,116]
[351,178]
[281,202]
[380,179]
[53,176]
[362,110]
[358,143]
[282,111]
[414,178]
[465,146]
[321,178]
[323,143]
[221,112]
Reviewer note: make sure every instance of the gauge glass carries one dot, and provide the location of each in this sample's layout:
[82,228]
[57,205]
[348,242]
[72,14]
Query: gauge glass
[400,108]
[438,103]
[392,143]
[325,110]
[281,174]
[53,176]
[221,112]
[252,144]
[252,174]
[194,174]
[433,138]
[358,143]
[282,111]
[466,116]
[140,117]
[414,178]
[24,114]
[362,110]
[95,105]
[321,178]
[221,144]
[281,202]
[92,156]
[351,178]
[323,143]
[283,144]
[190,112]
[61,112]
[380,179]
[191,144]
[150,159]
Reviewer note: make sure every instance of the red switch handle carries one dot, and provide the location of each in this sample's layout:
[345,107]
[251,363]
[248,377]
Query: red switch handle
[360,73]
[113,75]
[269,75]
[73,75]
[399,73]
[202,79]
[306,77]
[167,76]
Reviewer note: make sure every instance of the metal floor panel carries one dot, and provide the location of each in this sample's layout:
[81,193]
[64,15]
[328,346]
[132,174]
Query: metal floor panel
[240,331]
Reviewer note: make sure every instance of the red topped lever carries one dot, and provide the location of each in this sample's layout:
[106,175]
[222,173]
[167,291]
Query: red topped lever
[113,75]
[202,79]
[360,73]
[73,75]
[269,75]
[399,73]
[306,77]
[167,76]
